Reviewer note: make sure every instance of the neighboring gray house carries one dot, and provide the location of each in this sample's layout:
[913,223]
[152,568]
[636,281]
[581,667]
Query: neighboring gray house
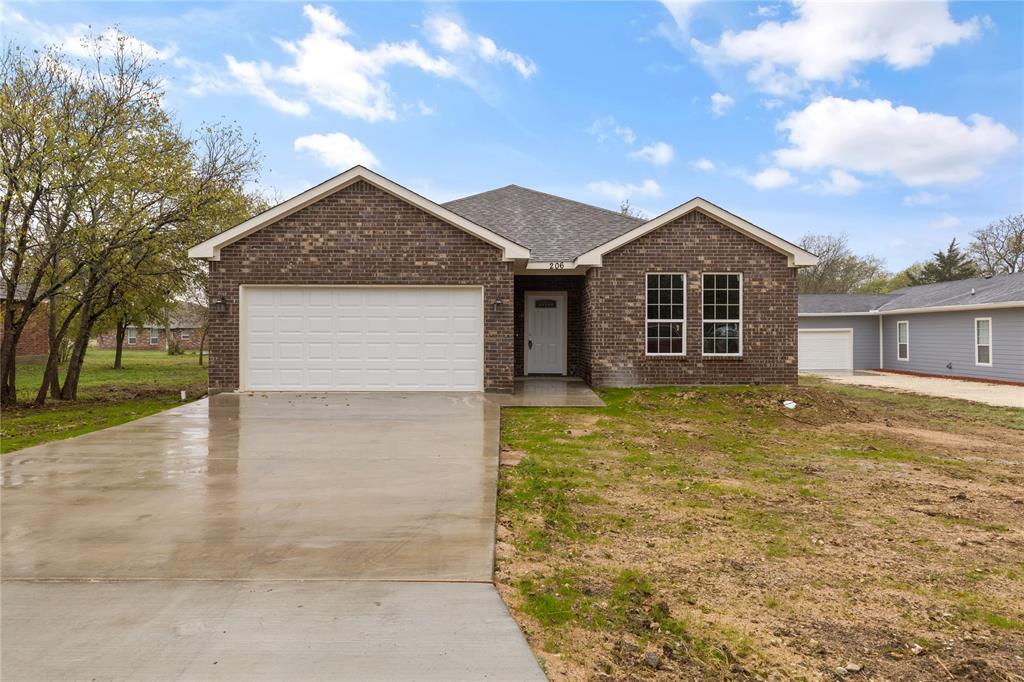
[970,328]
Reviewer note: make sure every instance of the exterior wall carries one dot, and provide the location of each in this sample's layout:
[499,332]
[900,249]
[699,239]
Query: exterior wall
[614,311]
[937,339]
[34,342]
[573,285]
[865,335]
[361,235]
[108,339]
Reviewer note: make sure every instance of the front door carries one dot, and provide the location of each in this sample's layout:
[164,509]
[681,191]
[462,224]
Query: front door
[545,332]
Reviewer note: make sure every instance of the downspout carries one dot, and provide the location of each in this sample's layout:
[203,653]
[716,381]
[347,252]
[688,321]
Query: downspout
[881,344]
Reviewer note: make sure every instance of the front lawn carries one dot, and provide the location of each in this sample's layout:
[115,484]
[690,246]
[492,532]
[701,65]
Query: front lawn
[712,533]
[150,381]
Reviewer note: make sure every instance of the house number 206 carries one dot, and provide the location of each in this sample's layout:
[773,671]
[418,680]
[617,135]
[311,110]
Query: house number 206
[556,266]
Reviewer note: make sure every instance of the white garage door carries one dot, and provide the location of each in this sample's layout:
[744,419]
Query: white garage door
[825,350]
[362,338]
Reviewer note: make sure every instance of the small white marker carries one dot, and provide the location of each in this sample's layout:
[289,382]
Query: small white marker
[182,394]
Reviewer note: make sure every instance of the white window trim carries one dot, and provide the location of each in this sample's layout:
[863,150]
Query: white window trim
[131,336]
[898,323]
[702,320]
[647,293]
[154,337]
[989,344]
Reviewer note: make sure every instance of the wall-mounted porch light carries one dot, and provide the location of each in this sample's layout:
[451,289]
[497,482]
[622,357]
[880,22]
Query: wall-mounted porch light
[220,305]
[497,304]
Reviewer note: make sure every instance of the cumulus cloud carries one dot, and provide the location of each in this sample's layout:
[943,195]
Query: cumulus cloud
[924,199]
[828,41]
[771,178]
[721,103]
[703,164]
[876,137]
[605,127]
[659,153]
[336,150]
[620,191]
[331,71]
[452,37]
[840,183]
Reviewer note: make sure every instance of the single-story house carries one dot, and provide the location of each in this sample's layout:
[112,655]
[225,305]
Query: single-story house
[184,328]
[361,284]
[972,328]
[34,342]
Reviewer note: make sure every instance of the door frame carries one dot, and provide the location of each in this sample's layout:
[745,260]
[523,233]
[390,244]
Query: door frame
[849,332]
[564,297]
[243,325]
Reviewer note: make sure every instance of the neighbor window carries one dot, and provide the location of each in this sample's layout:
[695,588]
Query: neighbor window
[666,313]
[183,335]
[983,341]
[133,336]
[154,336]
[723,313]
[903,340]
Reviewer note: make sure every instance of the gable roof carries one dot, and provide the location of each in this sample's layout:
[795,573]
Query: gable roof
[210,249]
[554,228]
[999,291]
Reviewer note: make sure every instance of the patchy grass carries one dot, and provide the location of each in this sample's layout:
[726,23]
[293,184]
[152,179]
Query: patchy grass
[150,381]
[710,533]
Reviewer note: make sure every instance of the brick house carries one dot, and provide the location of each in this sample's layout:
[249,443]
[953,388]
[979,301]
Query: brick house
[184,327]
[361,284]
[34,342]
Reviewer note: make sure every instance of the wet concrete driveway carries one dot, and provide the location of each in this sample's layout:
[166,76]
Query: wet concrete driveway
[277,536]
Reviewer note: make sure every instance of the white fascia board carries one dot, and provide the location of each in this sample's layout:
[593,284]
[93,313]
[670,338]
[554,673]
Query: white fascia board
[210,249]
[954,308]
[862,313]
[797,257]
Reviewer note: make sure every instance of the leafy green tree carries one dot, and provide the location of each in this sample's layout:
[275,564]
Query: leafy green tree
[839,270]
[945,266]
[999,247]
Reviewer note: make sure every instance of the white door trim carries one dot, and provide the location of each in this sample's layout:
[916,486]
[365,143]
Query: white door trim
[527,297]
[243,321]
[848,330]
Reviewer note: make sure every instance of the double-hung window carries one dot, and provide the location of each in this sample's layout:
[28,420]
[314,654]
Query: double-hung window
[903,340]
[983,341]
[723,313]
[183,335]
[154,336]
[133,336]
[666,313]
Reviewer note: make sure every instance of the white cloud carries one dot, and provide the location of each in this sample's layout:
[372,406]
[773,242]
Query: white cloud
[772,103]
[75,43]
[659,153]
[771,178]
[765,11]
[924,199]
[682,12]
[452,37]
[703,164]
[331,71]
[840,183]
[603,128]
[336,150]
[945,222]
[873,136]
[827,41]
[721,103]
[619,191]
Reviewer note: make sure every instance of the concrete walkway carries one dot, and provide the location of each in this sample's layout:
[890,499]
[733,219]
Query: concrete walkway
[278,536]
[1000,395]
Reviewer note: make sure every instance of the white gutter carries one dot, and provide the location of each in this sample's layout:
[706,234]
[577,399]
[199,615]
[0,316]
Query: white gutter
[954,308]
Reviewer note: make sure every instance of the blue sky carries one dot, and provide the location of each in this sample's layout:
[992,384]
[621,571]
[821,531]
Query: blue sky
[897,123]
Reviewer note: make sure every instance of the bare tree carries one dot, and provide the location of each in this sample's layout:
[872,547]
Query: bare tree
[839,270]
[999,247]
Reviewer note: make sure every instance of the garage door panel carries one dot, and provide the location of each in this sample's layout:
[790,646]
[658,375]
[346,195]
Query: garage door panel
[825,351]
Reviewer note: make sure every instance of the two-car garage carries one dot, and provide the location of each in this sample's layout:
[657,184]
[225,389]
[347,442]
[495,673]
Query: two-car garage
[361,338]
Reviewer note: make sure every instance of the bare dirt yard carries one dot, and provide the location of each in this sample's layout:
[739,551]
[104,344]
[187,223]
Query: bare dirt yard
[712,533]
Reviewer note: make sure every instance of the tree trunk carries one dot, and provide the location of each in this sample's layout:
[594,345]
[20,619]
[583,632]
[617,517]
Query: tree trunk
[122,327]
[51,374]
[8,353]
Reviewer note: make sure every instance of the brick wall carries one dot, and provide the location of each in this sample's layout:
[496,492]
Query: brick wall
[361,235]
[108,339]
[573,285]
[614,310]
[33,342]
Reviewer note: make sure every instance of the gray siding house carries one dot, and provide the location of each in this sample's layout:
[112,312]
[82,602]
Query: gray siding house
[971,328]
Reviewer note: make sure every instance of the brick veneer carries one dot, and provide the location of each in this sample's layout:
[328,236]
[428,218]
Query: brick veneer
[361,235]
[108,339]
[614,311]
[573,284]
[34,342]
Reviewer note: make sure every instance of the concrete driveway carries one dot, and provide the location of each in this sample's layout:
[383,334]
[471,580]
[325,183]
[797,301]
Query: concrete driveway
[277,536]
[1000,395]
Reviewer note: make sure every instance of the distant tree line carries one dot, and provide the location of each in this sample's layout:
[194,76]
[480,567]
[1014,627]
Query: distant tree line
[101,194]
[994,250]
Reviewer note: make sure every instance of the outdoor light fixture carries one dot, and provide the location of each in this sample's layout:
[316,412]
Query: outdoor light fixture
[220,305]
[497,303]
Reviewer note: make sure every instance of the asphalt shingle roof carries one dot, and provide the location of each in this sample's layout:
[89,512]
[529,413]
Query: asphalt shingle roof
[553,228]
[976,291]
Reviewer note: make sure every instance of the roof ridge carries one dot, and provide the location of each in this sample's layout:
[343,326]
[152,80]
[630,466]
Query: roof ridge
[479,194]
[579,203]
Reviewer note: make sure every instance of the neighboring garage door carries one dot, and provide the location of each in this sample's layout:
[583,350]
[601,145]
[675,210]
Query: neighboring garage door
[362,338]
[826,350]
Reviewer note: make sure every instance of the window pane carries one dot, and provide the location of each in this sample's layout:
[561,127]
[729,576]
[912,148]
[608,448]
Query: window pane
[709,312]
[733,281]
[652,345]
[733,345]
[665,281]
[734,296]
[709,295]
[652,312]
[677,312]
[984,354]
[677,345]
[983,332]
[677,281]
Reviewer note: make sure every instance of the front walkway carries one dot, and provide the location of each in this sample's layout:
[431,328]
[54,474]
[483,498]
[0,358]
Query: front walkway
[1000,395]
[277,536]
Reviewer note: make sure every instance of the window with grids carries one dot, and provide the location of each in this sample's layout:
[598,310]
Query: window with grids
[154,336]
[723,314]
[983,341]
[666,313]
[903,340]
[132,336]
